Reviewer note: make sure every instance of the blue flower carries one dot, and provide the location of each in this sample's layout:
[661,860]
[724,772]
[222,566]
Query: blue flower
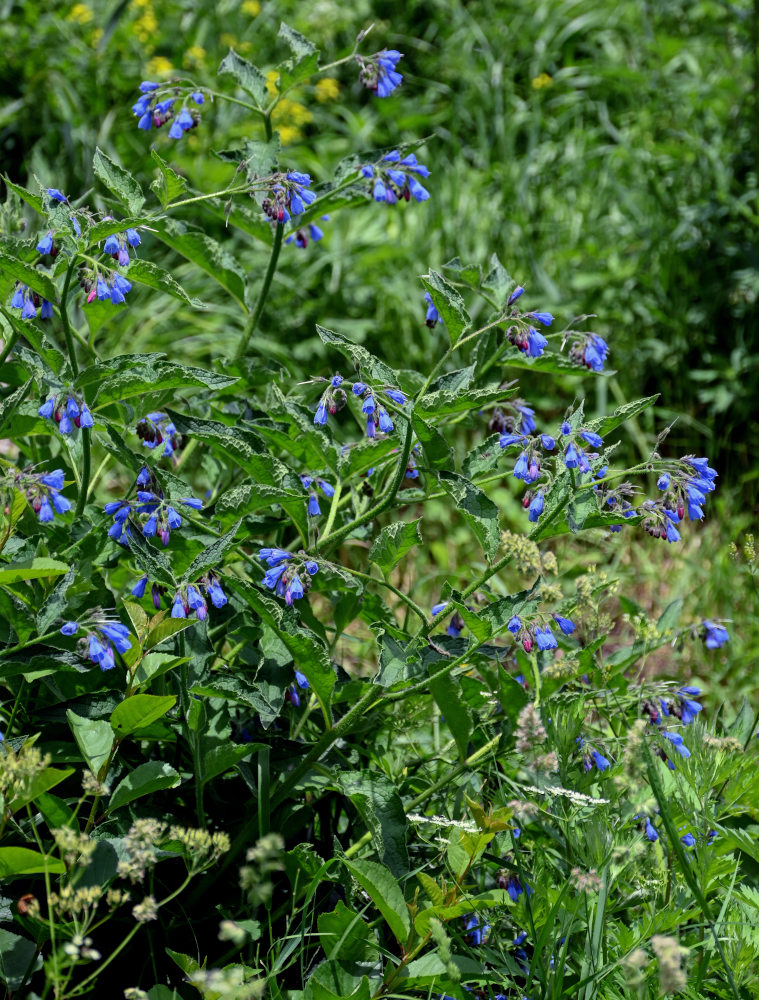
[274,557]
[57,195]
[566,428]
[506,440]
[359,388]
[313,506]
[386,425]
[566,626]
[437,608]
[146,86]
[396,395]
[522,469]
[69,628]
[593,439]
[177,608]
[542,317]
[47,408]
[198,97]
[571,457]
[320,417]
[214,591]
[138,590]
[536,507]
[545,638]
[387,78]
[662,482]
[677,742]
[433,316]
[672,535]
[294,591]
[45,245]
[651,833]
[600,761]
[688,839]
[515,295]
[312,567]
[715,635]
[548,442]
[527,424]
[595,352]
[514,625]
[380,191]
[418,191]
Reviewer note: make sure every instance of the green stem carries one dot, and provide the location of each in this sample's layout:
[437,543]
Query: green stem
[9,345]
[384,583]
[333,508]
[252,320]
[65,319]
[85,483]
[25,645]
[207,197]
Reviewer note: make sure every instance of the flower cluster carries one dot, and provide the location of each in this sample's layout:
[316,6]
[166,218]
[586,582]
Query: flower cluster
[101,636]
[715,635]
[376,414]
[541,635]
[314,510]
[391,183]
[151,111]
[106,286]
[67,415]
[29,302]
[289,195]
[378,72]
[522,331]
[688,486]
[159,517]
[189,599]
[301,236]
[288,576]
[592,757]
[509,881]
[156,429]
[43,491]
[118,244]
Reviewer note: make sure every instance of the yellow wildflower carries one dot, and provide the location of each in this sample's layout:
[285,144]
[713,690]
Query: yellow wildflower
[159,66]
[544,80]
[327,89]
[80,13]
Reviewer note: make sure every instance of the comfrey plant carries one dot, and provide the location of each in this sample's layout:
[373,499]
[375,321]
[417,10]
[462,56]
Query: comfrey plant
[411,730]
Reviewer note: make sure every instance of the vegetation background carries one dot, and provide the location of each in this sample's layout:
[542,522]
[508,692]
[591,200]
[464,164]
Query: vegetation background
[608,152]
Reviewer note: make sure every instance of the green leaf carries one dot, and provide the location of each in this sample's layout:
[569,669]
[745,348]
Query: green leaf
[108,227]
[170,184]
[366,363]
[212,557]
[448,303]
[393,542]
[143,780]
[252,497]
[477,508]
[32,276]
[482,457]
[148,273]
[249,77]
[23,861]
[55,604]
[395,663]
[12,401]
[580,508]
[34,200]
[305,61]
[494,617]
[437,452]
[345,936]
[18,956]
[458,716]
[135,376]
[118,181]
[140,711]
[42,782]
[472,904]
[32,569]
[299,45]
[447,401]
[150,559]
[309,653]
[94,737]
[384,891]
[257,157]
[380,807]
[203,251]
[217,760]
[603,425]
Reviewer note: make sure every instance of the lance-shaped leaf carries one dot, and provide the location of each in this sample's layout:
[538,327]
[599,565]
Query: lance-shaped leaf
[249,77]
[392,544]
[118,181]
[477,508]
[448,303]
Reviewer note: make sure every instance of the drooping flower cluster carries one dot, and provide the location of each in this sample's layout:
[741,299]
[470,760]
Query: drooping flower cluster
[289,195]
[100,638]
[289,576]
[377,416]
[592,757]
[107,286]
[715,635]
[688,485]
[189,599]
[522,331]
[29,302]
[301,236]
[327,489]
[378,72]
[42,490]
[67,415]
[118,245]
[683,707]
[151,512]
[154,108]
[531,633]
[391,183]
[156,429]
